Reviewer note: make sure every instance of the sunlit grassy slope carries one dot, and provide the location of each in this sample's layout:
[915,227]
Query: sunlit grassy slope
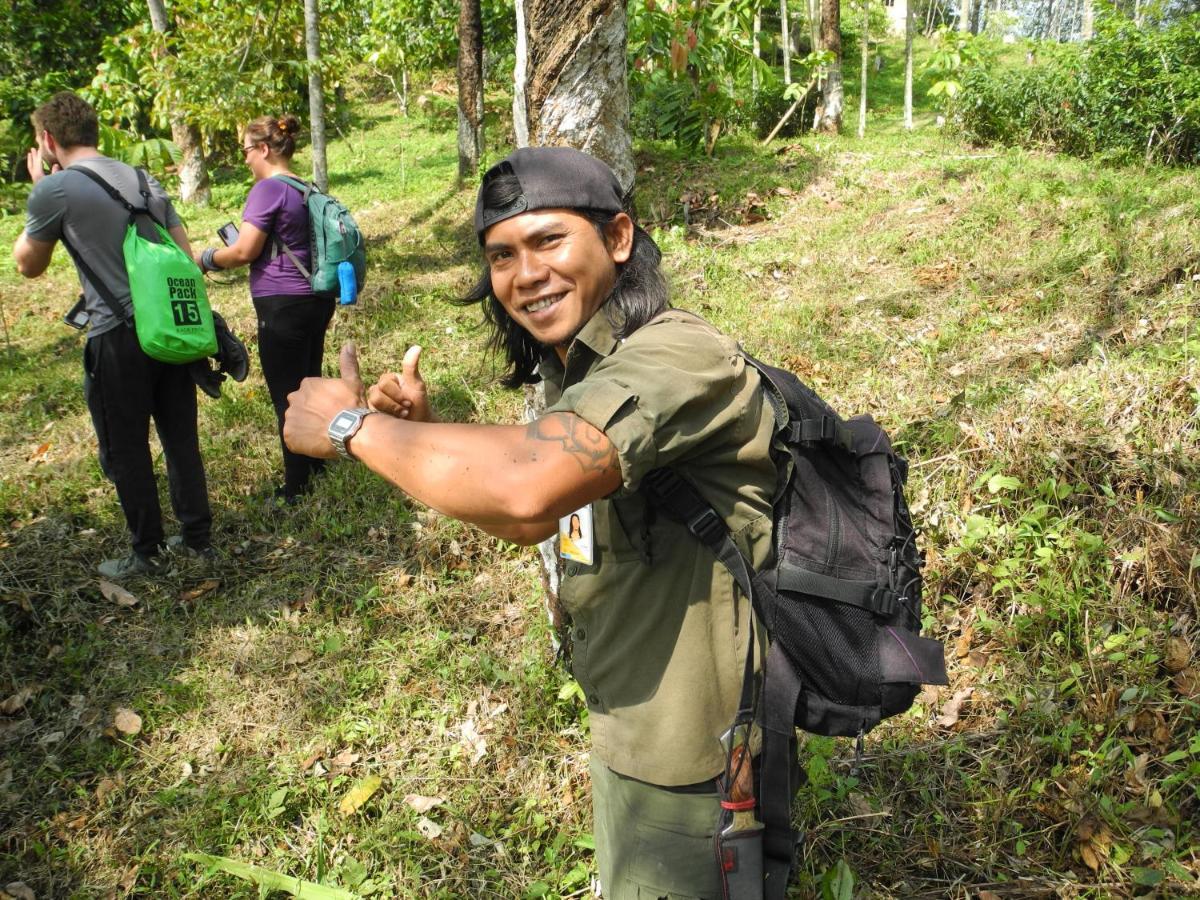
[1023,324]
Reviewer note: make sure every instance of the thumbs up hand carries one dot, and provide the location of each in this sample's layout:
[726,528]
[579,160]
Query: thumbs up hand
[315,403]
[403,395]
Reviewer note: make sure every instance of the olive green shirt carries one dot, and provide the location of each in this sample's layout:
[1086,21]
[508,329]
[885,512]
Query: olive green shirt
[659,629]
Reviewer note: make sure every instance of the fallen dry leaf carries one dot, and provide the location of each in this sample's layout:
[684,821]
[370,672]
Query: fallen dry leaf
[104,788]
[343,762]
[1135,775]
[204,587]
[472,740]
[359,794]
[114,593]
[429,828]
[963,645]
[1178,655]
[17,701]
[127,722]
[953,707]
[299,658]
[19,890]
[989,895]
[423,804]
[1187,683]
[39,455]
[1094,842]
[977,658]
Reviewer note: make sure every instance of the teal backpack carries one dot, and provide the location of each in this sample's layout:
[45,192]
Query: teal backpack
[333,237]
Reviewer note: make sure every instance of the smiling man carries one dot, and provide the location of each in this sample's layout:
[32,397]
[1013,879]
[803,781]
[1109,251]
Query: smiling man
[574,295]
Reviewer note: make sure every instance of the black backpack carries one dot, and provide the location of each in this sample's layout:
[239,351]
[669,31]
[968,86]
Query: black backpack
[840,601]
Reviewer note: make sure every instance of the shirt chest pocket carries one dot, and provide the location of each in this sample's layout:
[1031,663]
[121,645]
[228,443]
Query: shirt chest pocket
[627,529]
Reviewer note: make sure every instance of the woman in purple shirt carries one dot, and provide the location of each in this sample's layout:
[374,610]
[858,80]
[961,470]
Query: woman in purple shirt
[292,320]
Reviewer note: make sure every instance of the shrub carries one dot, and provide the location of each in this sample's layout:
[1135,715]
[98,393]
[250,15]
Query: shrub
[1128,93]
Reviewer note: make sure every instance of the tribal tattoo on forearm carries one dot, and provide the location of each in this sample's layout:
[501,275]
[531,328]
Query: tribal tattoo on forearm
[585,444]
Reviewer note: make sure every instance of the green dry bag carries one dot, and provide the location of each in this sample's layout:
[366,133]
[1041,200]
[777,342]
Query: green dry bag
[171,315]
[170,304]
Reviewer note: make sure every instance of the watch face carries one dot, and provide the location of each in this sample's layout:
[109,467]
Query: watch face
[342,421]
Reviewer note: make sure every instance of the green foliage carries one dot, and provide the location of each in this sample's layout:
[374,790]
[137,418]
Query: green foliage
[44,48]
[421,35]
[852,14]
[691,67]
[954,53]
[1129,93]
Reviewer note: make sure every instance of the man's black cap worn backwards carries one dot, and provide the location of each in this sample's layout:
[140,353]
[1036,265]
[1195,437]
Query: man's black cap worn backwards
[551,178]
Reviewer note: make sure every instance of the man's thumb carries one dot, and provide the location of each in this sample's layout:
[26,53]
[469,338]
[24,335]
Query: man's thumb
[412,359]
[348,361]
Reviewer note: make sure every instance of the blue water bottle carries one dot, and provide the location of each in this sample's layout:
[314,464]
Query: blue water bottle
[347,282]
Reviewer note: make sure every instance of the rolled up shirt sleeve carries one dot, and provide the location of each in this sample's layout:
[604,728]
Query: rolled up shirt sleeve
[662,396]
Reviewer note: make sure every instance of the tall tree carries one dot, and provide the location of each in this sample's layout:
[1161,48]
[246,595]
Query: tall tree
[964,15]
[865,46]
[785,42]
[470,88]
[571,90]
[829,112]
[193,173]
[910,24]
[316,93]
[756,48]
[571,86]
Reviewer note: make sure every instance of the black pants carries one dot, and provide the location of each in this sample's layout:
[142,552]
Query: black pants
[291,343]
[125,389]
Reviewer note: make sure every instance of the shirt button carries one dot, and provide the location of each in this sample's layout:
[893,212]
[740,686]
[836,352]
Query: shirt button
[572,569]
[580,634]
[593,700]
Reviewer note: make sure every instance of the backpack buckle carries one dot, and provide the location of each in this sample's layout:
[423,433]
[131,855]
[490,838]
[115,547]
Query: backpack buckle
[883,601]
[707,526]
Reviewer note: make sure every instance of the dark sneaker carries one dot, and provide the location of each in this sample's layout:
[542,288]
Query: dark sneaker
[176,544]
[128,567]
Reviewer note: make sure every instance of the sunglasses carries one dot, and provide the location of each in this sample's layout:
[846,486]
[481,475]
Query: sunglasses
[250,149]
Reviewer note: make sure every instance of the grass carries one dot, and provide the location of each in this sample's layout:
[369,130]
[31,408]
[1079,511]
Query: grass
[1024,324]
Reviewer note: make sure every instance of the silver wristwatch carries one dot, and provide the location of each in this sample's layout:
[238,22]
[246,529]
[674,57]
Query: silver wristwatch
[344,426]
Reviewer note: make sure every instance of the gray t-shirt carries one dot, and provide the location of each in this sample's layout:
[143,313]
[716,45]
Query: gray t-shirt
[70,205]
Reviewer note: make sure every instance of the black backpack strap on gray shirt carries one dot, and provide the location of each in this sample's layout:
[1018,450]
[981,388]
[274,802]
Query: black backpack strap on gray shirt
[94,280]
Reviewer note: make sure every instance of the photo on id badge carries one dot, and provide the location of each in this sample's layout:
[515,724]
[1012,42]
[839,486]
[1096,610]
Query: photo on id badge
[575,536]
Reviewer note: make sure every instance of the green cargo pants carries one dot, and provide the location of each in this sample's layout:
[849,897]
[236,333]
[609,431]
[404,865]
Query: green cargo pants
[651,842]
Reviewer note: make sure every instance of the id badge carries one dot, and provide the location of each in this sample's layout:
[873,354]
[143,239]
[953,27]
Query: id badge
[575,536]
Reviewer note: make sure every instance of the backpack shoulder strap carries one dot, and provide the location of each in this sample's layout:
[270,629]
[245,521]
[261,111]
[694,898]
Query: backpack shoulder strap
[94,280]
[303,187]
[277,244]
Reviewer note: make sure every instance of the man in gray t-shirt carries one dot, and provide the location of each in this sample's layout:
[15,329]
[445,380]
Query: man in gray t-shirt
[96,227]
[123,386]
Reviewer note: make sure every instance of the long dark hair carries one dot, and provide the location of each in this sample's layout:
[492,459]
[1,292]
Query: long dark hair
[639,294]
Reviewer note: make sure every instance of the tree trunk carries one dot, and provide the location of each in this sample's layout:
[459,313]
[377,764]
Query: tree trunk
[909,26]
[785,42]
[865,41]
[470,88]
[814,25]
[571,87]
[964,15]
[829,114]
[193,173]
[1087,26]
[757,27]
[316,94]
[571,90]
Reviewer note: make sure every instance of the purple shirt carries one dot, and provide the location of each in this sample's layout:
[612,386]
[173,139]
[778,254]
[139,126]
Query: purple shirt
[278,209]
